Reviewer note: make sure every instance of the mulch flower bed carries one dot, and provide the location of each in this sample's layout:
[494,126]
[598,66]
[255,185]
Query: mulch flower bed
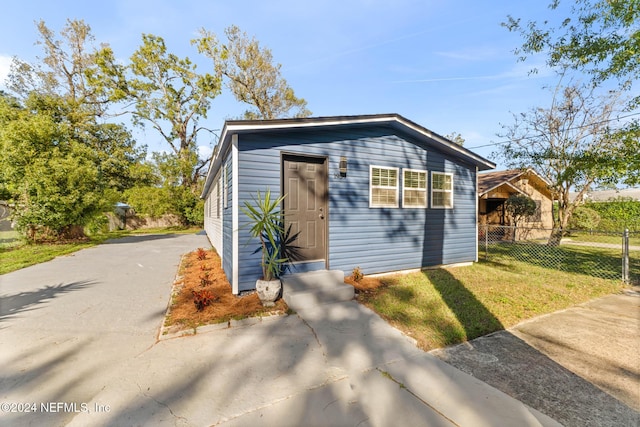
[202,294]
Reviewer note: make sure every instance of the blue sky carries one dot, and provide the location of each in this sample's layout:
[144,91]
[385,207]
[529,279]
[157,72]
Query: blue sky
[447,65]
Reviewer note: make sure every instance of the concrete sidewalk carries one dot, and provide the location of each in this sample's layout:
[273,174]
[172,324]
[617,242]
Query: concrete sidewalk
[580,365]
[78,339]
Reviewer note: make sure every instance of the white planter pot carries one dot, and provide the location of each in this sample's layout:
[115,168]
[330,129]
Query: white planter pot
[268,291]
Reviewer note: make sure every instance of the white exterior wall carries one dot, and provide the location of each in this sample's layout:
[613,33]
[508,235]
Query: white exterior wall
[213,214]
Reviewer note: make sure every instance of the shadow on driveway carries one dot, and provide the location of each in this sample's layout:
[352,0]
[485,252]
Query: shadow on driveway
[11,305]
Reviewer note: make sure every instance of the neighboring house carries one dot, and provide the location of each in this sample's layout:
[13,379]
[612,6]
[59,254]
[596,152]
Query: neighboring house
[375,191]
[494,188]
[607,195]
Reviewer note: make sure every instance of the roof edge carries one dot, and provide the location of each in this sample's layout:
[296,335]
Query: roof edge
[233,126]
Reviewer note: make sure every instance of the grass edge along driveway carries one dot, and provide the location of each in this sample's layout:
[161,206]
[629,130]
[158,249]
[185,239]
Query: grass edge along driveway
[447,306]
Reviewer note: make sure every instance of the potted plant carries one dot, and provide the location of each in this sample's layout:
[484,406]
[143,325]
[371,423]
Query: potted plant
[266,225]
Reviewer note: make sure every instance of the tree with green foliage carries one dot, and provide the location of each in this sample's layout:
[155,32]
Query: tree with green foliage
[165,91]
[52,177]
[602,39]
[156,201]
[569,143]
[617,214]
[166,195]
[60,81]
[519,207]
[455,137]
[584,218]
[251,75]
[61,164]
[62,71]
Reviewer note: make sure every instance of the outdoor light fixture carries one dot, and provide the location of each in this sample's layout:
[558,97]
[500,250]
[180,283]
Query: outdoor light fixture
[343,167]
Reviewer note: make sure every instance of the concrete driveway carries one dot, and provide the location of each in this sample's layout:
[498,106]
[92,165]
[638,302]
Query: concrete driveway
[70,325]
[78,347]
[580,366]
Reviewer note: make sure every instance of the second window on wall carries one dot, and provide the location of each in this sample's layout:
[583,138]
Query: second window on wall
[414,188]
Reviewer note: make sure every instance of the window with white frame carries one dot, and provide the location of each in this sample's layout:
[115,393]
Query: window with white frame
[414,188]
[383,187]
[441,190]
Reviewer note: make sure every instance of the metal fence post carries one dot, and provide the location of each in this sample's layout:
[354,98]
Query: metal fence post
[625,256]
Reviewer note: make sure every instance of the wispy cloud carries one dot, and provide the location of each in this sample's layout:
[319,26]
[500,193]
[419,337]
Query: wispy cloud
[368,45]
[519,71]
[472,54]
[448,79]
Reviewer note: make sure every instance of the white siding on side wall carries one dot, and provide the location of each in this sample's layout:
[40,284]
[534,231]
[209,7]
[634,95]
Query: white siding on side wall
[213,215]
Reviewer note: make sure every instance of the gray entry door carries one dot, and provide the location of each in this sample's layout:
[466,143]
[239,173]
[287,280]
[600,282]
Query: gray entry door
[305,206]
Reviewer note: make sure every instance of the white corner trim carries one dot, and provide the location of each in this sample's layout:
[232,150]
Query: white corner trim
[234,215]
[477,216]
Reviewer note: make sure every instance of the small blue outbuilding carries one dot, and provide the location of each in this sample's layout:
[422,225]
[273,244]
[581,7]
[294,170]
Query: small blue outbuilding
[375,191]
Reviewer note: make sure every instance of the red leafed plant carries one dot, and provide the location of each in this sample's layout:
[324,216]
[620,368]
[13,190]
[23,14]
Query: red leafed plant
[202,298]
[205,280]
[202,254]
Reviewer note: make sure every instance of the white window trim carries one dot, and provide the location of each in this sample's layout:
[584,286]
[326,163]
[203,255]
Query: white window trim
[442,191]
[426,188]
[397,187]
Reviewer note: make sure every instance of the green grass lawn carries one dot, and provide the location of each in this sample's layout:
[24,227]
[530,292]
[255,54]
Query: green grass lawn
[589,260]
[16,254]
[634,238]
[448,306]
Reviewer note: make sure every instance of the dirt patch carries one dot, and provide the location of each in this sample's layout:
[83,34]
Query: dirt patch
[201,272]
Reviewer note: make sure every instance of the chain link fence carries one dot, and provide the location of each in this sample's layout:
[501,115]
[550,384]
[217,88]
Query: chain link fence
[596,253]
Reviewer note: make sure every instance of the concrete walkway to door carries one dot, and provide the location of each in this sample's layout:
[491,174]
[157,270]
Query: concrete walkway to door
[78,340]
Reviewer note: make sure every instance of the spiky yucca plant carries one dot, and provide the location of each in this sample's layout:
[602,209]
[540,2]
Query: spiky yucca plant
[266,225]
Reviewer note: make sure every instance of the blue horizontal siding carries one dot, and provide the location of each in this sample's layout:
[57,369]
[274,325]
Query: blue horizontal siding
[376,239]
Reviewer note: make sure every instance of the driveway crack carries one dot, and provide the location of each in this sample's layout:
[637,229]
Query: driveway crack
[324,354]
[145,394]
[424,402]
